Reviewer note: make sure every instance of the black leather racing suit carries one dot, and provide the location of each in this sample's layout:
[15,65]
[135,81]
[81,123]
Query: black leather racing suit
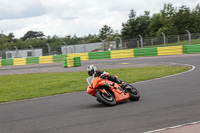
[112,78]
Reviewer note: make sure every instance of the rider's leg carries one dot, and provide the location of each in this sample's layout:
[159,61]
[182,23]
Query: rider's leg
[116,80]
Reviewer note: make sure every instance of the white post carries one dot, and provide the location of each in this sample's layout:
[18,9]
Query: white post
[120,42]
[141,39]
[164,39]
[49,48]
[103,41]
[65,47]
[84,45]
[32,50]
[189,36]
[8,52]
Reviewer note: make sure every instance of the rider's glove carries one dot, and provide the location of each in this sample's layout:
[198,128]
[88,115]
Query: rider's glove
[103,76]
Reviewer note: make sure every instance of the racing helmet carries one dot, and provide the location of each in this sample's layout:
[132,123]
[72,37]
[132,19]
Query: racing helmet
[91,70]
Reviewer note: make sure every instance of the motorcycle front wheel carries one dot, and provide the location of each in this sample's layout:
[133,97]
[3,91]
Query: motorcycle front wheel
[133,92]
[107,99]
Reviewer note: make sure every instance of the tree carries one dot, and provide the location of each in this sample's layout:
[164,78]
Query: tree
[168,11]
[105,32]
[195,18]
[128,28]
[155,24]
[10,37]
[142,24]
[32,34]
[163,21]
[3,43]
[182,19]
[136,25]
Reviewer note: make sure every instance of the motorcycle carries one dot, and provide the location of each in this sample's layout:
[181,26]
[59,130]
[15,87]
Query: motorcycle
[110,93]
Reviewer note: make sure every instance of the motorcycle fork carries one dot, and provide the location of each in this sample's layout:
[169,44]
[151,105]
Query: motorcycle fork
[104,91]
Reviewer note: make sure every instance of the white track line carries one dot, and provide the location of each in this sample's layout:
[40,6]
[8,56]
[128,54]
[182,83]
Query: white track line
[193,67]
[163,129]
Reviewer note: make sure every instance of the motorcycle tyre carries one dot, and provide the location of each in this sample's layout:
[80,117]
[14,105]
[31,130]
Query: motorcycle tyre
[104,101]
[134,97]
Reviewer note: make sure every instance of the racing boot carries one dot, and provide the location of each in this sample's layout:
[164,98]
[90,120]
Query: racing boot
[123,84]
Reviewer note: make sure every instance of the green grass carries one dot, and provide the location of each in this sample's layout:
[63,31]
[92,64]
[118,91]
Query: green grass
[26,86]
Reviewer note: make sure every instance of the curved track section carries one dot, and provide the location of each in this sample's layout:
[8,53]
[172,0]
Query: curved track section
[165,102]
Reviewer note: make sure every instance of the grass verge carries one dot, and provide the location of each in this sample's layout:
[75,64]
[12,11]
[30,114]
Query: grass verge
[26,86]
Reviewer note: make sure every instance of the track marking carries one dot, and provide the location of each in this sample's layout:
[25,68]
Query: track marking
[124,63]
[193,67]
[173,127]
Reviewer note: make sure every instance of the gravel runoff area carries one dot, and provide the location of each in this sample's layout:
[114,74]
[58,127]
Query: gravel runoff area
[58,67]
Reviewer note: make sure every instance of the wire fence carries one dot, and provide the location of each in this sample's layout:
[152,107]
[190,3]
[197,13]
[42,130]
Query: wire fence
[171,40]
[137,42]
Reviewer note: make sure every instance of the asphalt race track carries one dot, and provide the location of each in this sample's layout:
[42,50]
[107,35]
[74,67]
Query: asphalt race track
[164,103]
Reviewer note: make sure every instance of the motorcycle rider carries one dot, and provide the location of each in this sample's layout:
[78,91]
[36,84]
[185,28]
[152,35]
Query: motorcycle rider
[92,70]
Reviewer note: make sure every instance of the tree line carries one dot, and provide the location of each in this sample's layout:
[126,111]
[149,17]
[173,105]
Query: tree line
[170,20]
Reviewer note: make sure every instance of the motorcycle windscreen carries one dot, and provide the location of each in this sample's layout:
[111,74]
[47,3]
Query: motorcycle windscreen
[90,79]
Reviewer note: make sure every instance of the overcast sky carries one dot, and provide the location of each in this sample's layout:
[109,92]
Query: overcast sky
[69,17]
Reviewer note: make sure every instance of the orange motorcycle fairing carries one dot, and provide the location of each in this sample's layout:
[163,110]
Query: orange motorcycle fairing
[94,85]
[120,96]
[99,83]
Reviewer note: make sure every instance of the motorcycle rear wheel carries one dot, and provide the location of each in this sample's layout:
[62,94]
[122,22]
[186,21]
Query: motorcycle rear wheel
[106,99]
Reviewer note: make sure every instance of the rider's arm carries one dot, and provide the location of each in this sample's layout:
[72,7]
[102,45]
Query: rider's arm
[101,72]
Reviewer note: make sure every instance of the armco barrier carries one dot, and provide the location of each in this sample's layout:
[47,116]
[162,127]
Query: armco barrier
[83,56]
[7,62]
[58,58]
[189,49]
[19,61]
[122,54]
[145,52]
[32,60]
[45,59]
[99,55]
[173,50]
